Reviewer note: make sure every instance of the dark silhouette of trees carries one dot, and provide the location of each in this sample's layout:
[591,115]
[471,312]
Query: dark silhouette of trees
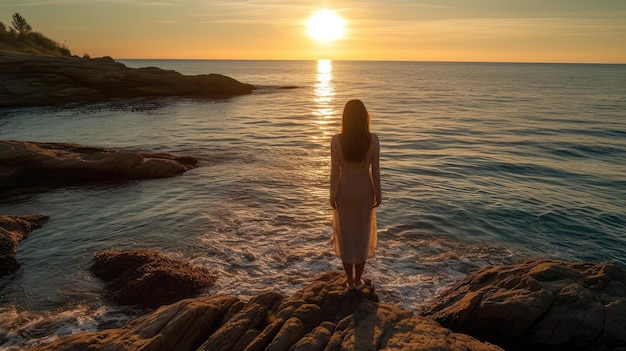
[20,25]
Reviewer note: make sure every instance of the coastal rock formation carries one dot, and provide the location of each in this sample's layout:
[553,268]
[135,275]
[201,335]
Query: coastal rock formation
[148,279]
[28,165]
[539,304]
[31,80]
[14,229]
[322,316]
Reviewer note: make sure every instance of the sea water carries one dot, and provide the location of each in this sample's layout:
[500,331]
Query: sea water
[481,164]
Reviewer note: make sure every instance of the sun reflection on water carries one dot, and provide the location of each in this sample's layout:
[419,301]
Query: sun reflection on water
[326,121]
[324,94]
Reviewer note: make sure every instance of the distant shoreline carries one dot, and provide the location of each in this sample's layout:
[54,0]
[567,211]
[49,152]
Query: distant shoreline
[40,80]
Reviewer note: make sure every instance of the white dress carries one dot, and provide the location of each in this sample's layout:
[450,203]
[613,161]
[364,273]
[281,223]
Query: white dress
[355,187]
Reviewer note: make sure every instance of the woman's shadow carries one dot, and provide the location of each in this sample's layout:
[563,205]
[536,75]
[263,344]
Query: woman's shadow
[370,324]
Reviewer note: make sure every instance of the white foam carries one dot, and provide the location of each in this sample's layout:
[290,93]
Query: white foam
[21,329]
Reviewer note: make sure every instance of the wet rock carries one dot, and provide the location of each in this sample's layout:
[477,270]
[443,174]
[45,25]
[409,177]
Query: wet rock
[31,166]
[30,80]
[148,279]
[14,229]
[182,326]
[539,304]
[317,339]
[246,324]
[322,316]
[375,326]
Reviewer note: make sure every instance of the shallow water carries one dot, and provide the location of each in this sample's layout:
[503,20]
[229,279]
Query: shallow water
[481,164]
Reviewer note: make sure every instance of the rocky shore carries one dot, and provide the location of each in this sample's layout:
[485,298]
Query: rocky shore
[33,80]
[536,304]
[27,167]
[533,305]
[539,304]
[322,316]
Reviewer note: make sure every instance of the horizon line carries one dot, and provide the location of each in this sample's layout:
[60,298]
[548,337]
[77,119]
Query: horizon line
[380,60]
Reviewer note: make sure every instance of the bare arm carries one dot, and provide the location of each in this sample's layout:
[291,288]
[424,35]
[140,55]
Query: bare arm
[334,171]
[378,195]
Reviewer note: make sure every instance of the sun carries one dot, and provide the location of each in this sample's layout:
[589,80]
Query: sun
[325,26]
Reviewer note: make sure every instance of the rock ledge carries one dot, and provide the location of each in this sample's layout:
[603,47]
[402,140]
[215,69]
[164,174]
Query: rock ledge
[148,279]
[322,316]
[535,304]
[539,304]
[31,165]
[32,80]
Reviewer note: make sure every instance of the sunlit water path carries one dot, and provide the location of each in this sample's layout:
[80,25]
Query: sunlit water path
[481,164]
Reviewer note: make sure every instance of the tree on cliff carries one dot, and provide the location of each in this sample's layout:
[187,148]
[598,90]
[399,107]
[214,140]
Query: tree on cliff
[21,37]
[20,25]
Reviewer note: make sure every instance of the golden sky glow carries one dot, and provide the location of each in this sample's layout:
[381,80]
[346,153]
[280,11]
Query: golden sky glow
[414,30]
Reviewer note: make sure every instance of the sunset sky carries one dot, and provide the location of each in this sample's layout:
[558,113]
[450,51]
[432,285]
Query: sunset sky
[411,30]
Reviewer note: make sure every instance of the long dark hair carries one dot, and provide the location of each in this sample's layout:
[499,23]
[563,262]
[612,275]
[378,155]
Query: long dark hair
[355,135]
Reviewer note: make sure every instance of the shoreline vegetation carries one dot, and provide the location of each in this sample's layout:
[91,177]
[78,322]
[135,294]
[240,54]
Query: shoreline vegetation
[536,304]
[20,37]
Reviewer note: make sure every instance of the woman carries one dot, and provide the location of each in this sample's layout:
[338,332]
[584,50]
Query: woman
[354,191]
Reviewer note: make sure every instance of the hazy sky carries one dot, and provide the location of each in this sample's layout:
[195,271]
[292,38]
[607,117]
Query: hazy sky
[432,30]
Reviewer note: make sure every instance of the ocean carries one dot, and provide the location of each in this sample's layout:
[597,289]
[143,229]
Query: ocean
[481,164]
